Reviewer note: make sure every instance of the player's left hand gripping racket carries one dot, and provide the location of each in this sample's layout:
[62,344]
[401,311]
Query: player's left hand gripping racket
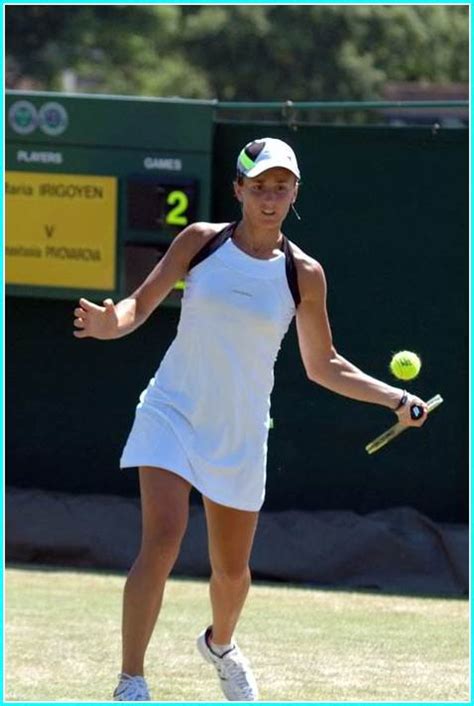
[391,433]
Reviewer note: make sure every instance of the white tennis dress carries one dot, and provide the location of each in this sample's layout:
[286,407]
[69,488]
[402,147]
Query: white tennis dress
[205,414]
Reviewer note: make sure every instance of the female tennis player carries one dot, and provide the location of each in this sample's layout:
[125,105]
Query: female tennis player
[203,420]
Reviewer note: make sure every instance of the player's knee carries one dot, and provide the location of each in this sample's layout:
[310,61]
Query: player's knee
[165,537]
[231,573]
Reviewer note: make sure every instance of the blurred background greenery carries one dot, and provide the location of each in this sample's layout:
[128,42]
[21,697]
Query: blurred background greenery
[240,52]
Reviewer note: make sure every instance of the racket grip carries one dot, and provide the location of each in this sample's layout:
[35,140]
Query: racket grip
[416,412]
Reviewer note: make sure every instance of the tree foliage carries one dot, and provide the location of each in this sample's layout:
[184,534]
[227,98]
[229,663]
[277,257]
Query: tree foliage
[237,52]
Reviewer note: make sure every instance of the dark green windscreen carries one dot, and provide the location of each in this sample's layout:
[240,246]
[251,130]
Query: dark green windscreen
[385,210]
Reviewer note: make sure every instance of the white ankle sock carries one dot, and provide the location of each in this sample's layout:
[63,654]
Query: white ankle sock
[220,649]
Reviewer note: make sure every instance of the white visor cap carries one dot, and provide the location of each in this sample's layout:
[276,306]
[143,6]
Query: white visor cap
[266,153]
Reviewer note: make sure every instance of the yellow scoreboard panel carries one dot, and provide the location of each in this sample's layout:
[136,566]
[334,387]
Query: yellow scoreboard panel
[61,230]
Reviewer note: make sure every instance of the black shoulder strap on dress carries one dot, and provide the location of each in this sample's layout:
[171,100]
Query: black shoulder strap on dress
[291,273]
[220,238]
[212,245]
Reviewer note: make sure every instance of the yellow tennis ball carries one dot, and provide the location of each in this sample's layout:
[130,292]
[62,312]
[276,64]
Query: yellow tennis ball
[405,365]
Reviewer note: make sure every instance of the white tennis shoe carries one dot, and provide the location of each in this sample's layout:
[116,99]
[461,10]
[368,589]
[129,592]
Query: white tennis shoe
[235,676]
[131,689]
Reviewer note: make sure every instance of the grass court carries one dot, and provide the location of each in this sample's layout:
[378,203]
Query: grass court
[62,641]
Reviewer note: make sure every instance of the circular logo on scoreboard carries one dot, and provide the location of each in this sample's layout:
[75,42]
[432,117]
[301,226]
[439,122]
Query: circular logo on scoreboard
[23,117]
[53,118]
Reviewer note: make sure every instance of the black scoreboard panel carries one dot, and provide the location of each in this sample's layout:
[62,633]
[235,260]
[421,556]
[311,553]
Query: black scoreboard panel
[157,208]
[160,204]
[139,261]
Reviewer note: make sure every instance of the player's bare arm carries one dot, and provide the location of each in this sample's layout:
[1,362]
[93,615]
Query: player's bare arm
[116,320]
[323,364]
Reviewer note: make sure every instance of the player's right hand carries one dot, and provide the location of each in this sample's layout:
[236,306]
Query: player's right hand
[93,321]
[404,413]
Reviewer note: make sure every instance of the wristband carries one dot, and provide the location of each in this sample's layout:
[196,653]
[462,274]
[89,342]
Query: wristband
[403,401]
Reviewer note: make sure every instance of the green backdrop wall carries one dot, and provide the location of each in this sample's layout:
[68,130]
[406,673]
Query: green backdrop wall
[385,211]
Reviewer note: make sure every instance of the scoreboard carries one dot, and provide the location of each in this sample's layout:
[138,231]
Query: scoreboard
[96,188]
[160,204]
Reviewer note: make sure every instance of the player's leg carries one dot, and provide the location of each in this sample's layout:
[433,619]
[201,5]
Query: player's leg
[165,507]
[230,534]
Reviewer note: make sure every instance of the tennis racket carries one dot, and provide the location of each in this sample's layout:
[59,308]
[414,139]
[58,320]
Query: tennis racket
[416,411]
